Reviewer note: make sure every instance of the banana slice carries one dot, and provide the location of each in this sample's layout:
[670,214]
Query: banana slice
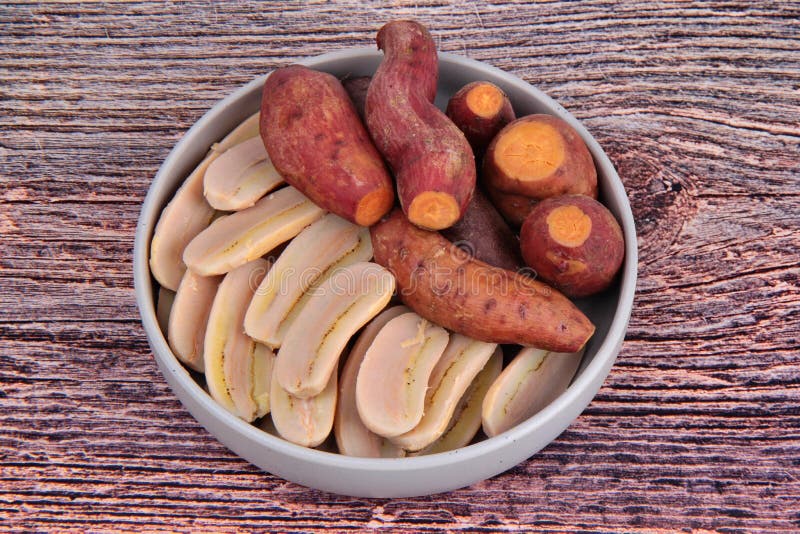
[393,378]
[306,422]
[188,213]
[230,355]
[235,239]
[534,379]
[240,176]
[461,361]
[307,261]
[263,364]
[352,437]
[187,323]
[466,420]
[338,308]
[164,307]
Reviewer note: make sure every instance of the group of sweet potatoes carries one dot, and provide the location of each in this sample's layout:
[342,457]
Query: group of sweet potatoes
[354,148]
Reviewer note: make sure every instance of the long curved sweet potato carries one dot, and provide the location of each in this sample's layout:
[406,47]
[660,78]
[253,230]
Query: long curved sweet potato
[443,284]
[432,160]
[317,141]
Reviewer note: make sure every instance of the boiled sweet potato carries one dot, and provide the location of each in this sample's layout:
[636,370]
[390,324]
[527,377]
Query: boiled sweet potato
[316,140]
[432,160]
[443,284]
[513,208]
[540,156]
[483,233]
[480,110]
[574,243]
[357,90]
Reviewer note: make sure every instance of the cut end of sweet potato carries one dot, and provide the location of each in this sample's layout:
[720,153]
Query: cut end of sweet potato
[373,206]
[530,151]
[485,100]
[569,226]
[434,210]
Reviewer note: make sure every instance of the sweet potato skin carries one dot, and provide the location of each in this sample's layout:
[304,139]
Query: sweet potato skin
[513,208]
[580,268]
[478,130]
[357,90]
[575,175]
[426,151]
[316,140]
[443,284]
[485,234]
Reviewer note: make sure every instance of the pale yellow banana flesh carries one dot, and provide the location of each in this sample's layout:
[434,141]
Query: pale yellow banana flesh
[466,420]
[163,308]
[263,363]
[305,422]
[352,437]
[326,245]
[394,376]
[532,380]
[235,239]
[240,176]
[340,306]
[188,213]
[461,361]
[229,353]
[189,317]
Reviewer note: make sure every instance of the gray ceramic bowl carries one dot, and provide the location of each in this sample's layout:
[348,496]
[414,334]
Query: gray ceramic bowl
[406,476]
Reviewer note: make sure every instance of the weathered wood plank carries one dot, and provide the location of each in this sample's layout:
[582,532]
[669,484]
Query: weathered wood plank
[697,104]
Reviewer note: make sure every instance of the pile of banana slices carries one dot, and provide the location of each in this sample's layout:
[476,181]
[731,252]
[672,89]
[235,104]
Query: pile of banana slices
[276,303]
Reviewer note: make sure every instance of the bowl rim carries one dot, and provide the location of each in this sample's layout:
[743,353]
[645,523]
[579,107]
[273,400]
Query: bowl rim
[596,370]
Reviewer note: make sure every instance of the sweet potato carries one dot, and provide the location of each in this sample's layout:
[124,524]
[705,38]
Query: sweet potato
[432,160]
[513,208]
[483,233]
[574,243]
[443,284]
[357,90]
[480,110]
[316,140]
[540,156]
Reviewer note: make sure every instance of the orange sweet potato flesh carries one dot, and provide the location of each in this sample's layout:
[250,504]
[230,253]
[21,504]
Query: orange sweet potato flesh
[443,284]
[316,140]
[540,156]
[480,110]
[484,233]
[513,208]
[574,243]
[431,159]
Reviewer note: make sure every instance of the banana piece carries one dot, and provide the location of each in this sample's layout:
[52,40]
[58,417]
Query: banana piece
[338,308]
[305,422]
[232,361]
[393,378]
[235,239]
[306,262]
[164,307]
[532,380]
[263,364]
[187,322]
[461,361]
[240,176]
[352,437]
[466,420]
[188,213]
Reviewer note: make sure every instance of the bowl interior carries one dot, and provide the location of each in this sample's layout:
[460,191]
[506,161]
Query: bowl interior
[609,311]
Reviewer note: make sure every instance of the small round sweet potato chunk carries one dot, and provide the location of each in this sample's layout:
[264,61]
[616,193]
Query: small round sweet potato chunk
[480,110]
[540,156]
[574,243]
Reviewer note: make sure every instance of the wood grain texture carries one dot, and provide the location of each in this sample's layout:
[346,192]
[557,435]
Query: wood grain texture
[698,105]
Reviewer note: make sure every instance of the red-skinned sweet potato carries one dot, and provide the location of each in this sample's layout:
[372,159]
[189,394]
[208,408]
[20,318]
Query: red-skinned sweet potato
[513,208]
[540,156]
[574,243]
[357,90]
[484,233]
[315,139]
[431,159]
[443,284]
[480,110]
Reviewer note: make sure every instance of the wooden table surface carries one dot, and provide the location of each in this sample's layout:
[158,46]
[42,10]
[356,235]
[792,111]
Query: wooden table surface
[698,106]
